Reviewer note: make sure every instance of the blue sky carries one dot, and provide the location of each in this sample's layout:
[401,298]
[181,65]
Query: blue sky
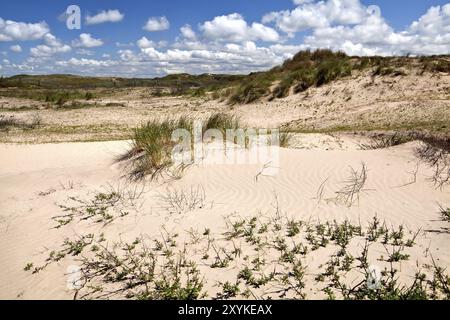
[197,36]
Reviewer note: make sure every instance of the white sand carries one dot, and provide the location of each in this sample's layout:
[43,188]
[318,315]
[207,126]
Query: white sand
[35,178]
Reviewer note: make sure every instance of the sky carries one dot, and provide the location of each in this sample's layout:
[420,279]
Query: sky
[139,38]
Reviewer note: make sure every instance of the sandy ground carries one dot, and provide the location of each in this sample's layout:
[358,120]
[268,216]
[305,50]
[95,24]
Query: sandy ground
[35,179]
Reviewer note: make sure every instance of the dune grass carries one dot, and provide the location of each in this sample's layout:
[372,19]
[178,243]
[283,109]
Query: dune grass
[316,68]
[304,70]
[150,152]
[151,148]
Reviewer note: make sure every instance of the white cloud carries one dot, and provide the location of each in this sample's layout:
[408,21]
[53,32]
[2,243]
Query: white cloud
[87,41]
[105,16]
[15,48]
[373,36]
[127,55]
[436,21]
[51,46]
[157,24]
[145,43]
[85,62]
[317,15]
[234,28]
[21,31]
[187,32]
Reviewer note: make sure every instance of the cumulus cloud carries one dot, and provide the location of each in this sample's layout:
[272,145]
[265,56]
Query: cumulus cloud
[51,46]
[317,15]
[85,62]
[15,48]
[87,41]
[373,35]
[21,31]
[234,28]
[157,24]
[434,22]
[145,43]
[105,16]
[187,32]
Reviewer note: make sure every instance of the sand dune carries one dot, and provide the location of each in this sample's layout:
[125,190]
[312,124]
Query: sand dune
[35,179]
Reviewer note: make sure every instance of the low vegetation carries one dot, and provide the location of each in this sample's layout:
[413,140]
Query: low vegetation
[445,213]
[316,68]
[266,256]
[8,122]
[387,140]
[55,96]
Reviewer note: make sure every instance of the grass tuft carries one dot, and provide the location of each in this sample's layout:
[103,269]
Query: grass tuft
[151,150]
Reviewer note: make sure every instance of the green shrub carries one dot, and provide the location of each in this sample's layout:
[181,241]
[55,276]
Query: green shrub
[249,93]
[388,71]
[328,71]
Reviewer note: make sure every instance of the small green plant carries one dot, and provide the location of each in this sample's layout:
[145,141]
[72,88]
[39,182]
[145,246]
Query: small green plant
[104,207]
[445,214]
[387,141]
[229,290]
[28,266]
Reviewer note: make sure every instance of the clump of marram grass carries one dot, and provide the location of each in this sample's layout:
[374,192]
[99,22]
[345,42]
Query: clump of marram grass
[152,145]
[387,71]
[285,139]
[151,150]
[221,122]
[251,92]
